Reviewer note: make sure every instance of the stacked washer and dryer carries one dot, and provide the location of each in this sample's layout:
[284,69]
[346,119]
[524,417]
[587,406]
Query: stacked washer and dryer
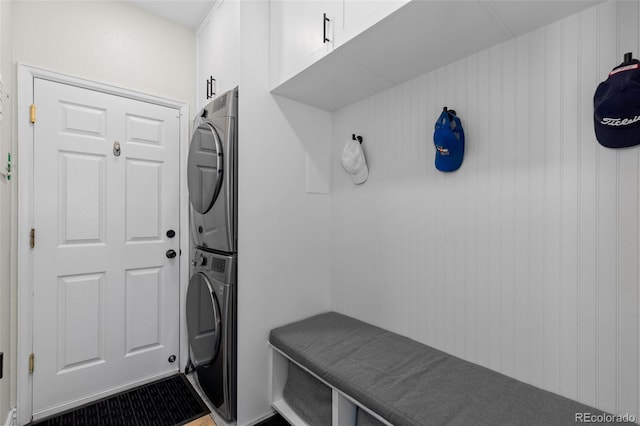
[212,293]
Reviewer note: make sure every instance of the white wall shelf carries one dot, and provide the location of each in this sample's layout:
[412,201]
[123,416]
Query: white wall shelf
[419,37]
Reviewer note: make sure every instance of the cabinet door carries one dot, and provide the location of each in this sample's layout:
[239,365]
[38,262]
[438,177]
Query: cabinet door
[206,51]
[355,16]
[227,61]
[297,35]
[218,50]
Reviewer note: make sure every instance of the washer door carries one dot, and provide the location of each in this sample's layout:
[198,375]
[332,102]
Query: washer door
[204,168]
[203,320]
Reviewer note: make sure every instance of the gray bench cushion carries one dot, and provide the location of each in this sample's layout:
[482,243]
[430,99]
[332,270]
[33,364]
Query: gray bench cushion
[365,419]
[409,383]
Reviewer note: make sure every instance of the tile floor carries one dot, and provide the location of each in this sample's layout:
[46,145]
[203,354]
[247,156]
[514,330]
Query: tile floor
[202,421]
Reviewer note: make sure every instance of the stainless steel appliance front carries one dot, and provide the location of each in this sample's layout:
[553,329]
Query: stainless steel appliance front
[211,325]
[212,175]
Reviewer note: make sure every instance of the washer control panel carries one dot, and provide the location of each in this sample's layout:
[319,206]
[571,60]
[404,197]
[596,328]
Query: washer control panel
[219,266]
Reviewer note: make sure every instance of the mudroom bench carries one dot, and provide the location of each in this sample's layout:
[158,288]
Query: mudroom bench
[332,369]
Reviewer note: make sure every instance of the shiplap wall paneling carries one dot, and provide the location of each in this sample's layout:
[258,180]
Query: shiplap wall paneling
[568,209]
[507,200]
[628,40]
[522,214]
[536,238]
[551,203]
[607,222]
[470,264]
[525,260]
[588,78]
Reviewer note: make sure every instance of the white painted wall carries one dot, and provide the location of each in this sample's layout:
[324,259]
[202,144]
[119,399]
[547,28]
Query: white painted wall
[526,259]
[283,245]
[7,304]
[105,41]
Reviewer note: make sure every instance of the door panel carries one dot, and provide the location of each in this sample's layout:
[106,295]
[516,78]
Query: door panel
[143,302]
[82,198]
[106,297]
[81,321]
[144,130]
[143,200]
[83,120]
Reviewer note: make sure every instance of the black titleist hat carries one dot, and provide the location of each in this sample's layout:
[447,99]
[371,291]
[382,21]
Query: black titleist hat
[616,107]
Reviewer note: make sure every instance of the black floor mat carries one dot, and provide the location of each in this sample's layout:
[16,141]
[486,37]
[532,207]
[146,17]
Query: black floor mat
[167,402]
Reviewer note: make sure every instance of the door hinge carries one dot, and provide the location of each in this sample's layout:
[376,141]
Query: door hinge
[32,113]
[32,238]
[32,362]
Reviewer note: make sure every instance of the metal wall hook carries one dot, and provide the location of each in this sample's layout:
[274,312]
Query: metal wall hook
[358,138]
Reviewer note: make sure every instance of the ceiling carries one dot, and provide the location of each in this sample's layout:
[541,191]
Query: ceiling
[188,13]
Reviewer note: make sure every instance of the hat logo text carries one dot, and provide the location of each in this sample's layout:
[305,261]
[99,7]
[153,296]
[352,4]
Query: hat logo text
[442,151]
[618,122]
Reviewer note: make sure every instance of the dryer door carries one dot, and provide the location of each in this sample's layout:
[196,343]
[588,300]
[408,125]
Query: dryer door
[204,168]
[203,320]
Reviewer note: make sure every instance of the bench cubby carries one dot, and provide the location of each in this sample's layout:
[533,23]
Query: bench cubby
[344,409]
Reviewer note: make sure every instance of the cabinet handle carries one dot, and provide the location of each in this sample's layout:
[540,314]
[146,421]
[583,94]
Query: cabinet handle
[324,28]
[211,89]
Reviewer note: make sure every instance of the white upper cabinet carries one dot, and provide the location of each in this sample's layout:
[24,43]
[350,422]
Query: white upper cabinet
[205,52]
[217,48]
[376,44]
[228,67]
[301,32]
[355,16]
[304,31]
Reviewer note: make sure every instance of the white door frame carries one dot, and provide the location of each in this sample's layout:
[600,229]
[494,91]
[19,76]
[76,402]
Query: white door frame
[24,173]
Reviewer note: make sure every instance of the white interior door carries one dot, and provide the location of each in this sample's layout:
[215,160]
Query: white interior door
[106,296]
